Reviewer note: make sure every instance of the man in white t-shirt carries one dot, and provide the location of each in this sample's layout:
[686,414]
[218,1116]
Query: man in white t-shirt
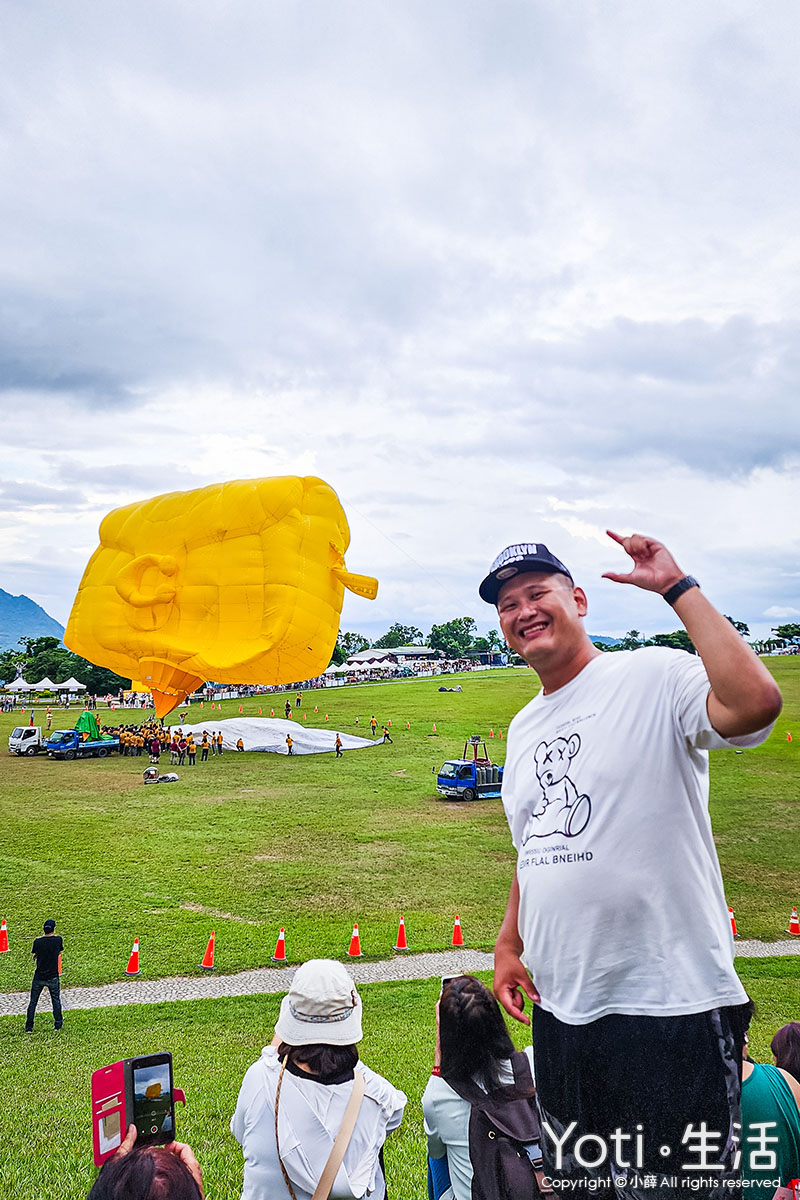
[617,907]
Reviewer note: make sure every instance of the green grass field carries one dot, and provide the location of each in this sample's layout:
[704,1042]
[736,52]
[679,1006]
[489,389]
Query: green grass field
[45,1123]
[251,842]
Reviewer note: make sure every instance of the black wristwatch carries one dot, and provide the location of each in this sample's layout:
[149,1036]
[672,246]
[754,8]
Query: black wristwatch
[679,588]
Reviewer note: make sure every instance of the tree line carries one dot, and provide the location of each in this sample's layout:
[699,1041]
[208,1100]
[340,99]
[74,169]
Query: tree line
[35,658]
[455,639]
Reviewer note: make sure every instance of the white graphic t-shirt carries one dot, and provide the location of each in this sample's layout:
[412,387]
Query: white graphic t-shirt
[605,788]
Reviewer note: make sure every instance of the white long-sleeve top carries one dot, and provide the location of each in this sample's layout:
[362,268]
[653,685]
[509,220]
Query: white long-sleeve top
[310,1116]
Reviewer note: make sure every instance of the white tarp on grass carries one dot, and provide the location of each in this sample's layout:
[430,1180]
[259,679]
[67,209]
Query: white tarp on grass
[269,734]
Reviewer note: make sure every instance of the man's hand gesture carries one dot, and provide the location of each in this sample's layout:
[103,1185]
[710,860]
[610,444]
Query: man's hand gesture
[654,568]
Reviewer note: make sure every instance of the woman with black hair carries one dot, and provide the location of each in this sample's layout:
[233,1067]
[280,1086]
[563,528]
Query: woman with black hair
[479,1104]
[785,1047]
[168,1172]
[310,1115]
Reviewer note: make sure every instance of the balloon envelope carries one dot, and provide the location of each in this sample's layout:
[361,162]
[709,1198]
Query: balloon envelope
[239,582]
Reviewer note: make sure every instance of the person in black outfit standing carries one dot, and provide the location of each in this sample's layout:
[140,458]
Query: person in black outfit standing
[46,951]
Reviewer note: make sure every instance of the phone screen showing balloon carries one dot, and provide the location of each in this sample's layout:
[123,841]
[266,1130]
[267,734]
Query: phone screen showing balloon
[153,1102]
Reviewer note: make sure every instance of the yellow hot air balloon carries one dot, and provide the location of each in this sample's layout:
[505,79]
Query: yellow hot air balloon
[239,582]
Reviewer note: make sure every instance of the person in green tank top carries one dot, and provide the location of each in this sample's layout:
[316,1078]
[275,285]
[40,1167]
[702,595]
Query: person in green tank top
[770,1127]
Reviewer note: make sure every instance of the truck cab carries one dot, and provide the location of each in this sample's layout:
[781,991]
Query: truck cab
[472,777]
[26,739]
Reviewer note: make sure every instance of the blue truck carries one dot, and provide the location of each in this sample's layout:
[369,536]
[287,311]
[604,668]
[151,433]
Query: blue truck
[69,744]
[472,777]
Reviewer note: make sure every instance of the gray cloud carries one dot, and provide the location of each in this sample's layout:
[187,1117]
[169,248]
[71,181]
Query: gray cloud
[485,268]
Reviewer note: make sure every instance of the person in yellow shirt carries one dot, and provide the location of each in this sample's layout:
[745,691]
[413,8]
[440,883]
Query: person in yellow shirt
[239,744]
[191,750]
[289,744]
[204,747]
[219,743]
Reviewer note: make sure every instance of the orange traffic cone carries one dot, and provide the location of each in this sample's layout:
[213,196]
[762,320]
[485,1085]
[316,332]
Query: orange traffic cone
[491,733]
[213,705]
[280,948]
[355,945]
[401,943]
[356,720]
[390,725]
[305,716]
[259,710]
[788,737]
[408,724]
[794,924]
[272,712]
[240,708]
[3,938]
[458,937]
[133,962]
[315,708]
[326,716]
[208,958]
[734,930]
[434,727]
[500,734]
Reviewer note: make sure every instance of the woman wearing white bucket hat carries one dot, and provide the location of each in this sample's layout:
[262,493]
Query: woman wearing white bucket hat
[310,1122]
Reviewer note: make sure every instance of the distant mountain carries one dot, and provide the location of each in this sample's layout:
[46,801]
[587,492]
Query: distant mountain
[606,641]
[21,617]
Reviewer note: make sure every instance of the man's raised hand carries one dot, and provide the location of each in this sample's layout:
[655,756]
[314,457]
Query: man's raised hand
[654,568]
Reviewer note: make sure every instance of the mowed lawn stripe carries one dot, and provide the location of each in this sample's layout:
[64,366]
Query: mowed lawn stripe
[313,843]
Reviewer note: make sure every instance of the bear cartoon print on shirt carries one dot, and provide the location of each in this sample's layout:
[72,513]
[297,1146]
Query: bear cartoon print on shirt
[563,809]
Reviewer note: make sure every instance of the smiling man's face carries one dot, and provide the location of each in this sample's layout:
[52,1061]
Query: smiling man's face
[541,617]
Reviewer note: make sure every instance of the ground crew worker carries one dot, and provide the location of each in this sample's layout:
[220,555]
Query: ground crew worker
[204,747]
[219,743]
[191,750]
[287,708]
[239,744]
[289,744]
[386,737]
[338,746]
[299,699]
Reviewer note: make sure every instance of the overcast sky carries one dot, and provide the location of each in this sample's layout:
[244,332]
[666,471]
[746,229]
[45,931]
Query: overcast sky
[496,272]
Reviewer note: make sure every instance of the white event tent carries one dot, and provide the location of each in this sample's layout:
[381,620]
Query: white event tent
[19,685]
[73,684]
[44,685]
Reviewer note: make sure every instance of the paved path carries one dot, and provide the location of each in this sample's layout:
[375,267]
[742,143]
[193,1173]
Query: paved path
[268,980]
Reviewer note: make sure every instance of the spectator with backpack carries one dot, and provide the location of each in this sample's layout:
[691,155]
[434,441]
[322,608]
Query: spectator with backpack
[480,1102]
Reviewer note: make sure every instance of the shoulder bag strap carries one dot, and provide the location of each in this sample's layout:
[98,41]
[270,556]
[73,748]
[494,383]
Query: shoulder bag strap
[323,1188]
[326,1179]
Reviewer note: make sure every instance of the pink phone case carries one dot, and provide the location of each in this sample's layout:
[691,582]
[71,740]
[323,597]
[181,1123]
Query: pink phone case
[108,1111]
[109,1118]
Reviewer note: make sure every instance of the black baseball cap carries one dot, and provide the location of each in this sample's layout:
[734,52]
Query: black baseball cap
[49,925]
[520,559]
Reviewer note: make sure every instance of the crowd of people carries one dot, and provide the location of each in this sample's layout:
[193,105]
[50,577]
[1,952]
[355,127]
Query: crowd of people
[151,738]
[312,1118]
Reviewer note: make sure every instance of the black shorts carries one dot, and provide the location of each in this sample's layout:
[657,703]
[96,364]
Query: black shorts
[671,1084]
